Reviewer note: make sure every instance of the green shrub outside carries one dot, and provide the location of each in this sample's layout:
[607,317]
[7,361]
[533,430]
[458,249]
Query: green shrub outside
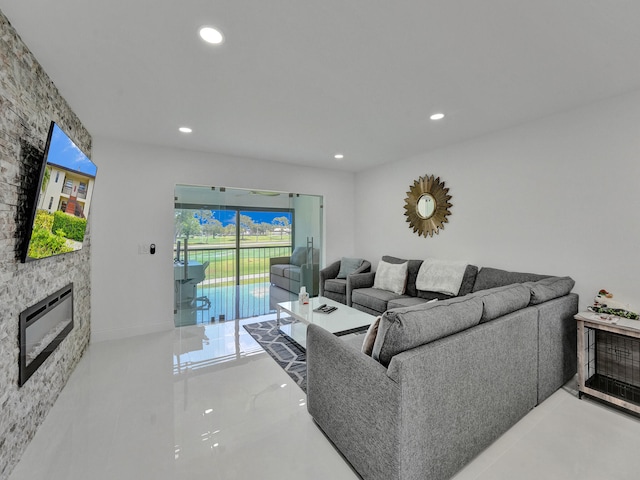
[73,227]
[44,220]
[43,242]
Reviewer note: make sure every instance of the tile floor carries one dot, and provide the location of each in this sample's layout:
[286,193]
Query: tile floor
[240,301]
[204,402]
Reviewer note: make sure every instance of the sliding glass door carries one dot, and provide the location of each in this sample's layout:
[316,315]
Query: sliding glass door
[224,240]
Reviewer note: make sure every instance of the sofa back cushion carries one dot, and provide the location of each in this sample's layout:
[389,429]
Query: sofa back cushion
[413,266]
[549,288]
[500,301]
[468,281]
[407,328]
[493,277]
[299,256]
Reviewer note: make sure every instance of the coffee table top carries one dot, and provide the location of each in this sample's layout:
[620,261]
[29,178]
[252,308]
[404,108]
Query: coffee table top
[343,320]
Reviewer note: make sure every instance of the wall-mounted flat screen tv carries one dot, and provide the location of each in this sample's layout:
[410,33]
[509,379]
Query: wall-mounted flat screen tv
[59,216]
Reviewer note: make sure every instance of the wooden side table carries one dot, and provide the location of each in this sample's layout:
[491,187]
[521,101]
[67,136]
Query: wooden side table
[609,359]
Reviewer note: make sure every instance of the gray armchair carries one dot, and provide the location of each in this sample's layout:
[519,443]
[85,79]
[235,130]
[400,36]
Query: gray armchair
[335,277]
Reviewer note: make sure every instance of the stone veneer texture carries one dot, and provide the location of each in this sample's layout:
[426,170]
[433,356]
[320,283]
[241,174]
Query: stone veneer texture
[28,103]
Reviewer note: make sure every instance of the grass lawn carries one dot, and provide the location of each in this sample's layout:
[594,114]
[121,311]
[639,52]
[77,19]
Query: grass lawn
[230,240]
[254,262]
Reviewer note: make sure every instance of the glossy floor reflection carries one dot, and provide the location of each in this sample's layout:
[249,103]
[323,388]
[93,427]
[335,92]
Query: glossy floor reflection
[214,302]
[199,402]
[205,402]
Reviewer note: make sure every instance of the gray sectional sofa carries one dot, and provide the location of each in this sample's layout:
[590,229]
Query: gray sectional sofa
[444,379]
[362,295]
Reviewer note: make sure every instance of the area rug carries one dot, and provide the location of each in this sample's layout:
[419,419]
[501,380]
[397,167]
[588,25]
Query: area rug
[288,354]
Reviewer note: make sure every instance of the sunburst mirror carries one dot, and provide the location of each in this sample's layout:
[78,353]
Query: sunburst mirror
[427,206]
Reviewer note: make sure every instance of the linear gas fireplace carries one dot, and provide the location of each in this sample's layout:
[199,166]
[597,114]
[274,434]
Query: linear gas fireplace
[42,327]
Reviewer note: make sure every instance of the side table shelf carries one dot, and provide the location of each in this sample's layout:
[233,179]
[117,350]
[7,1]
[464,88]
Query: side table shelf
[609,360]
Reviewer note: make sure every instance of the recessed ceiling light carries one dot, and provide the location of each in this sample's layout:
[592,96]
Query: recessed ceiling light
[437,116]
[185,130]
[211,35]
[338,156]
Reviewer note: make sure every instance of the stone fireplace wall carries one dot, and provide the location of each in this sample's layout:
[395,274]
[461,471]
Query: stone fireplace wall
[29,101]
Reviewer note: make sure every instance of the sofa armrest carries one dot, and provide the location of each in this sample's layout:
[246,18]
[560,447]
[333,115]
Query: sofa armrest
[359,280]
[330,271]
[365,267]
[557,355]
[355,403]
[279,261]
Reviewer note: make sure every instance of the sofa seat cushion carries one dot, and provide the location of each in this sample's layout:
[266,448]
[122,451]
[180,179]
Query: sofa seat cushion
[292,273]
[403,302]
[493,277]
[426,295]
[373,298]
[278,269]
[336,285]
[407,328]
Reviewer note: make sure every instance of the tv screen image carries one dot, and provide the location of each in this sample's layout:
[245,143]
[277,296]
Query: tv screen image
[59,217]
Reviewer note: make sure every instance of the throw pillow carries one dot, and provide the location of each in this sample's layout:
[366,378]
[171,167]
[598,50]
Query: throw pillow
[299,256]
[412,272]
[391,277]
[441,276]
[348,266]
[370,337]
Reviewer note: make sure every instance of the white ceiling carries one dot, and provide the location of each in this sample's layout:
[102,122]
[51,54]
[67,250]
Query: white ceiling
[299,80]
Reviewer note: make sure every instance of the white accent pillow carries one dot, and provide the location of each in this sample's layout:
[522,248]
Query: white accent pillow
[441,276]
[391,277]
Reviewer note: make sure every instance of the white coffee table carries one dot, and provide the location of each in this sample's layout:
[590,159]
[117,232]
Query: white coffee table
[342,321]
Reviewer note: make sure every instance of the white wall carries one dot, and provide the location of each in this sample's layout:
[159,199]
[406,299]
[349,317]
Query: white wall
[558,196]
[133,204]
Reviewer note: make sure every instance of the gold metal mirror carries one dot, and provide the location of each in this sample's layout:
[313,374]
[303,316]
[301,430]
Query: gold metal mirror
[427,205]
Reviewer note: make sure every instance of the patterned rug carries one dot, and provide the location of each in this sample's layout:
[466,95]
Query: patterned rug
[288,354]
